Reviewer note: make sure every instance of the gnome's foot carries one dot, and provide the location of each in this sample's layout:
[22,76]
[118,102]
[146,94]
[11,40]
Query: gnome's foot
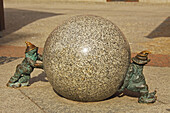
[17,84]
[25,84]
[14,85]
[147,99]
[152,95]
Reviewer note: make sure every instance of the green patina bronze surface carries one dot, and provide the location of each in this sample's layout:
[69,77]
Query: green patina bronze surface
[23,70]
[135,80]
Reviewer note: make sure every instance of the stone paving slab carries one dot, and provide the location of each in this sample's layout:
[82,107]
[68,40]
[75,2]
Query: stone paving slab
[41,98]
[13,101]
[51,102]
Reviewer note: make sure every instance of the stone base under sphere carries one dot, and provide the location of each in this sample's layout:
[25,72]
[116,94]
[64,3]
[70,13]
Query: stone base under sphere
[86,58]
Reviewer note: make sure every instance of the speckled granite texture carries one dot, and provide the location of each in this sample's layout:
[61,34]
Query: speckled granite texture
[86,58]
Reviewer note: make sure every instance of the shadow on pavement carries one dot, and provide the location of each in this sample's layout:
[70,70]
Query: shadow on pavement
[117,94]
[125,92]
[4,59]
[40,77]
[15,19]
[163,30]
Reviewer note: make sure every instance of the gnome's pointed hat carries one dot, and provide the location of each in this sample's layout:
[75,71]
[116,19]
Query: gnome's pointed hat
[30,46]
[141,58]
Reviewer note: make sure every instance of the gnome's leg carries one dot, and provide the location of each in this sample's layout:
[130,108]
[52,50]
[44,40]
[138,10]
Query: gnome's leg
[144,90]
[16,76]
[24,80]
[146,97]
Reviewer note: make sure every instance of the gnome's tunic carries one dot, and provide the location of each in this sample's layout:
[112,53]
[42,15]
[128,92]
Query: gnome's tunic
[135,79]
[26,67]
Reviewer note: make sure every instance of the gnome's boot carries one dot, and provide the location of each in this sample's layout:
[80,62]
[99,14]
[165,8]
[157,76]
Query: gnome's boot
[152,95]
[16,85]
[10,84]
[14,79]
[24,80]
[147,97]
[13,85]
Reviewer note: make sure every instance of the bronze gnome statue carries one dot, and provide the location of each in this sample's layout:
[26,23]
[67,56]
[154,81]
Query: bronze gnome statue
[23,70]
[135,80]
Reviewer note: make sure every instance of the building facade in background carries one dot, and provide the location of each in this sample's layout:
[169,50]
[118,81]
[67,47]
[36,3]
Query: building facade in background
[149,1]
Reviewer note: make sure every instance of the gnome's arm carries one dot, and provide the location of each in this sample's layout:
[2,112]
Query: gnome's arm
[39,65]
[34,64]
[31,62]
[40,57]
[127,78]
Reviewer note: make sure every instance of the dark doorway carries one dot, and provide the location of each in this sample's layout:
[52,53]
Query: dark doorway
[2,24]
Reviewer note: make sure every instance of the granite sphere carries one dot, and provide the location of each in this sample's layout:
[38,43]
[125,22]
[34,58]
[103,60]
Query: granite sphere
[86,58]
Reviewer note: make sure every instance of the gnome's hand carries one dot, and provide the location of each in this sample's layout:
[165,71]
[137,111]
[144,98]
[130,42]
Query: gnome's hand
[34,55]
[121,89]
[39,65]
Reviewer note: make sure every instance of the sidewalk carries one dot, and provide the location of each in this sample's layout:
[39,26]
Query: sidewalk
[144,25]
[41,98]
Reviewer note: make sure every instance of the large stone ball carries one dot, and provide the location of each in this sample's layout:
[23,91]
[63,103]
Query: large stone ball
[86,58]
